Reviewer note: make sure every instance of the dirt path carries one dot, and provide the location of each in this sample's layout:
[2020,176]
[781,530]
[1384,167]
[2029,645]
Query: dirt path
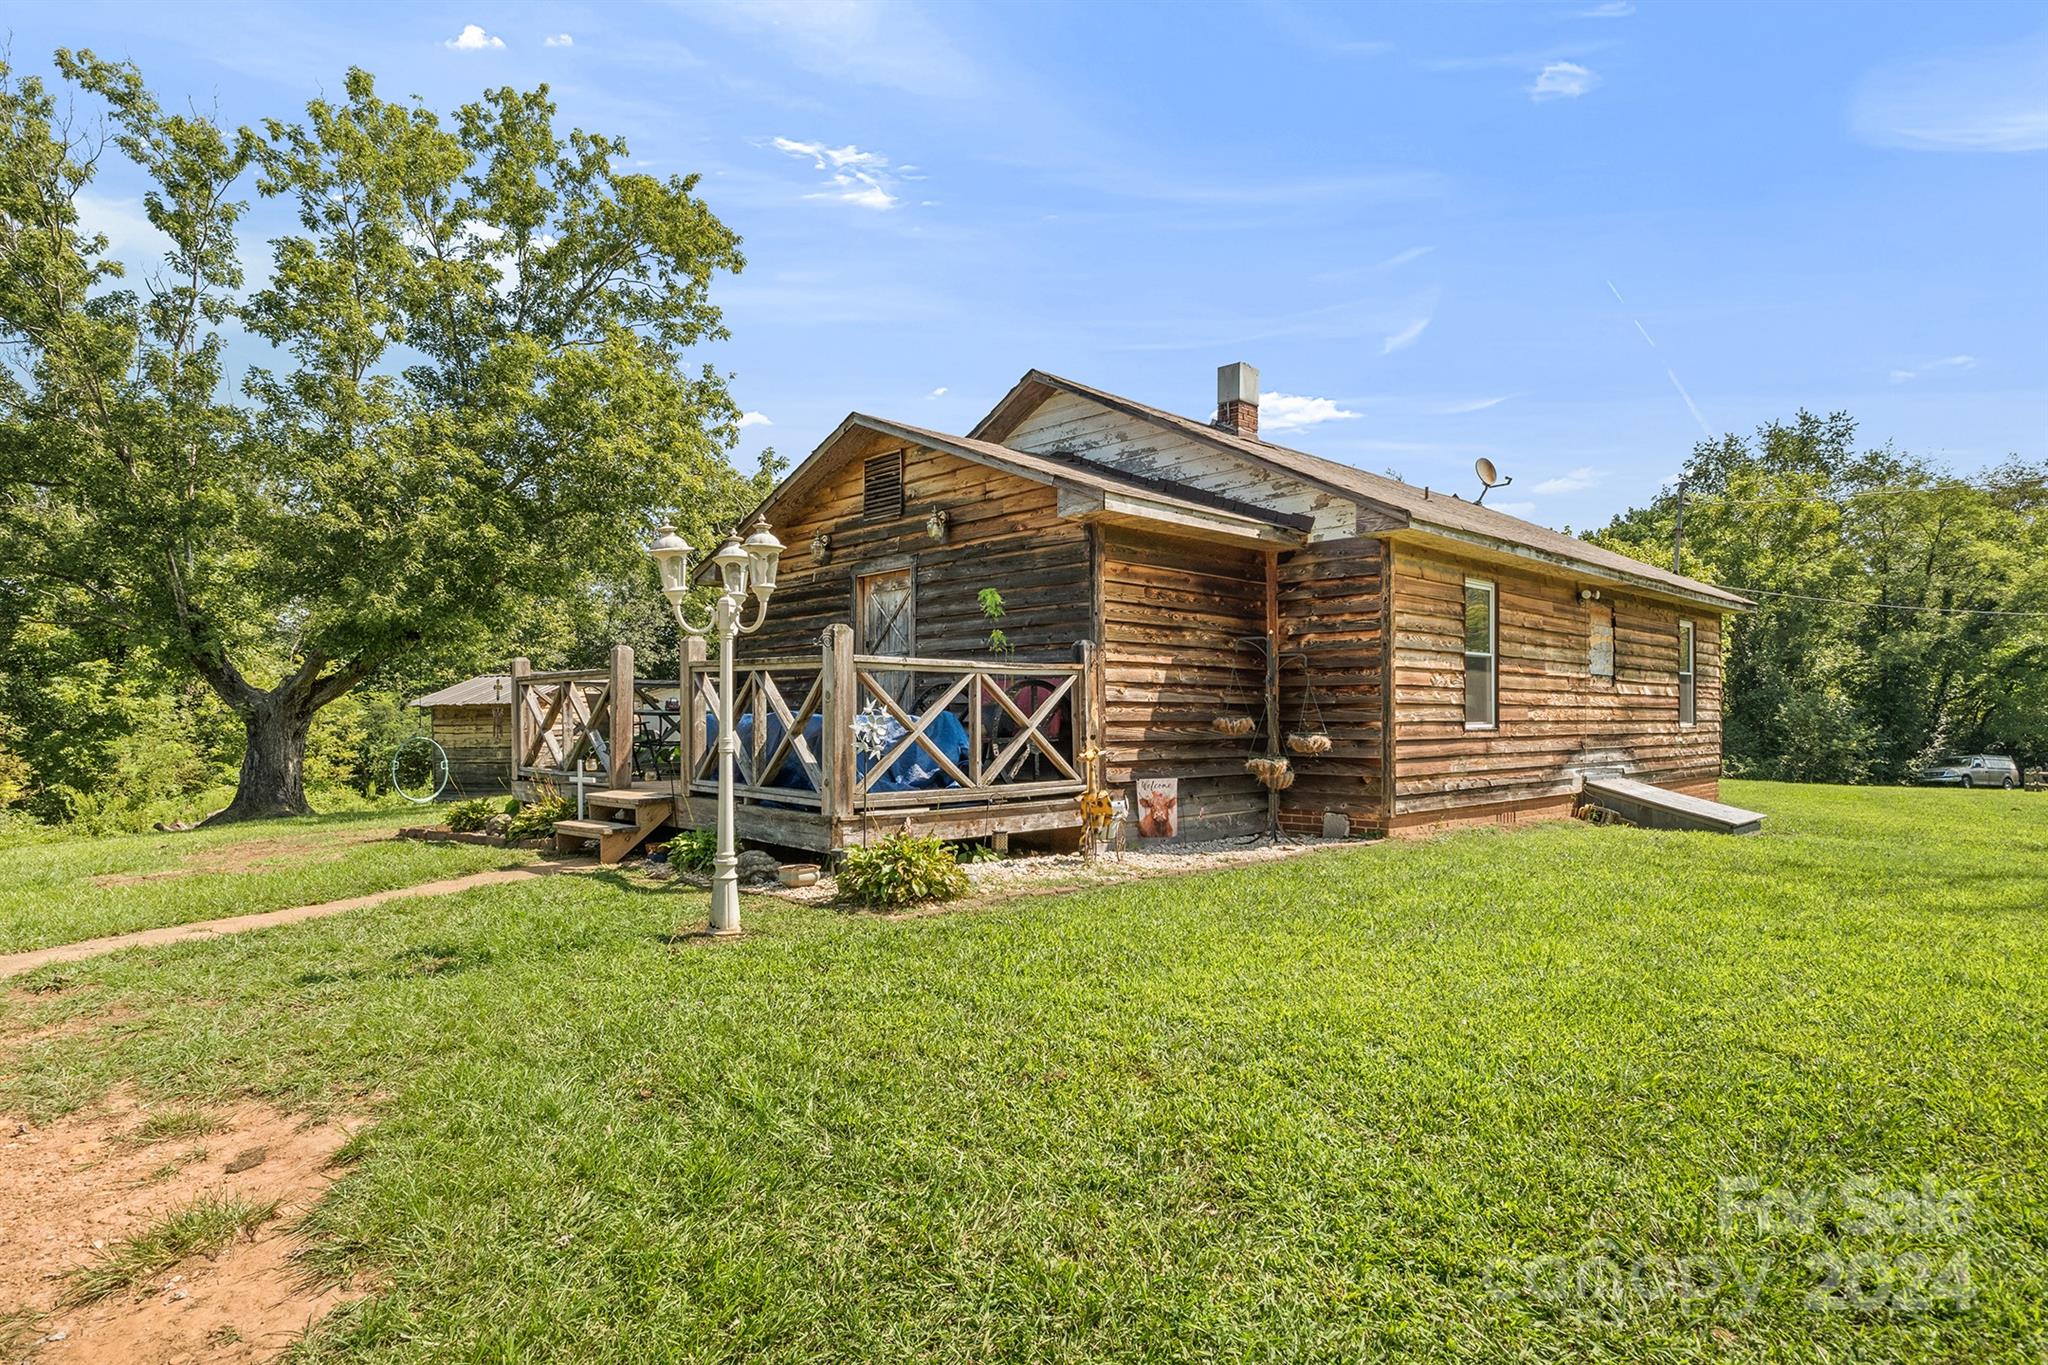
[71,1191]
[16,963]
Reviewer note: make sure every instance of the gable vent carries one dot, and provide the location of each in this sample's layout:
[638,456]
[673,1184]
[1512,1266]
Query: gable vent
[882,494]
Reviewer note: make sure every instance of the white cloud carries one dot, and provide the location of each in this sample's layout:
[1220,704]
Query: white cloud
[753,419]
[1988,100]
[131,237]
[939,392]
[1577,481]
[1513,509]
[863,179]
[473,39]
[1291,412]
[1404,338]
[1562,81]
[1947,362]
[1401,258]
[1471,405]
[1612,9]
[558,40]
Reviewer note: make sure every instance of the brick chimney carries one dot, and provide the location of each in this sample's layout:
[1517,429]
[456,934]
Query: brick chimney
[1237,398]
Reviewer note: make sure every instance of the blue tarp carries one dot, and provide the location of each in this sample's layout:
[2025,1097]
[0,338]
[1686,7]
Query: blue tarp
[916,770]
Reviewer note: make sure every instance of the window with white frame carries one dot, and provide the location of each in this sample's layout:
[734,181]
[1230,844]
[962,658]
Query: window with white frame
[1482,663]
[1688,706]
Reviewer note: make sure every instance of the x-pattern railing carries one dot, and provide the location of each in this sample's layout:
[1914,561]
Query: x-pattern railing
[1012,712]
[757,694]
[568,716]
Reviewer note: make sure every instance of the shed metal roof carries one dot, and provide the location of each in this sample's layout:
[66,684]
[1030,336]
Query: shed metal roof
[485,689]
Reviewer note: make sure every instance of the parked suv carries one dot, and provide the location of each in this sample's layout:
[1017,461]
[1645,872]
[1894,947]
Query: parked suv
[1973,770]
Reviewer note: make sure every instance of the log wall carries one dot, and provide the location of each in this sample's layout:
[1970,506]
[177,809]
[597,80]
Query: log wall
[1332,640]
[1557,721]
[478,742]
[1173,615]
[1003,532]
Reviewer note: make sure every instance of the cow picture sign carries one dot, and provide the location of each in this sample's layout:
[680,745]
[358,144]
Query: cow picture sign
[1158,807]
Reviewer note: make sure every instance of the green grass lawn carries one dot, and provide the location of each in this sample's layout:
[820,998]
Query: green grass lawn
[1475,1098]
[65,890]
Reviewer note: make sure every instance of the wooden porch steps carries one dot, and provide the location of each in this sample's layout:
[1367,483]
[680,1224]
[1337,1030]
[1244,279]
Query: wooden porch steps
[619,821]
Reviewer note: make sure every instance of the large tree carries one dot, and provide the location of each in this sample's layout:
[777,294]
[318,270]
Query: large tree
[464,385]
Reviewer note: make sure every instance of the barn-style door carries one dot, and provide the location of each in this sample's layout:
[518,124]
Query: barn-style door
[885,607]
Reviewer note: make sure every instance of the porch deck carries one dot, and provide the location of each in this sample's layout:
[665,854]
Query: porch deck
[968,748]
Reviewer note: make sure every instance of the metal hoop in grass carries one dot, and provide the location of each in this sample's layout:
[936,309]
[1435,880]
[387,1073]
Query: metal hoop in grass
[419,765]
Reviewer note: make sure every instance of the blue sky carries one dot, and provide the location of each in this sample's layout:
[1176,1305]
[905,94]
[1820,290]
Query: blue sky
[1571,237]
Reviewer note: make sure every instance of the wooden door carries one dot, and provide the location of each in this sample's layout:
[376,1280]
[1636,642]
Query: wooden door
[885,613]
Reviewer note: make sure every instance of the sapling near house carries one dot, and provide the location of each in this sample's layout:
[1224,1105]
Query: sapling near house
[991,602]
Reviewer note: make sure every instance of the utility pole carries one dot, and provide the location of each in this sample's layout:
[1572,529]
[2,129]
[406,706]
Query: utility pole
[1678,529]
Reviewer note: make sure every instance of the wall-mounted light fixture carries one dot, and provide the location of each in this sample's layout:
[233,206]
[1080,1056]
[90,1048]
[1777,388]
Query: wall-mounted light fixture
[821,548]
[935,525]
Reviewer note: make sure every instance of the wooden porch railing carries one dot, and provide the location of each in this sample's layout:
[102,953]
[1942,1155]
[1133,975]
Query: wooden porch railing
[1024,725]
[569,725]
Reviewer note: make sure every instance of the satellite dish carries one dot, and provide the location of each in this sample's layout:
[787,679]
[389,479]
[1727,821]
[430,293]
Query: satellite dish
[1489,478]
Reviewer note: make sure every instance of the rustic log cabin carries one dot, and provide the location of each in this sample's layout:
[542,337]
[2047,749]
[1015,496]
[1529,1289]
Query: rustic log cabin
[1248,637]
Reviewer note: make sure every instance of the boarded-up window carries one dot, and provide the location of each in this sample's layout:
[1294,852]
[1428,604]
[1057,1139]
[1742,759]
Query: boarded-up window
[882,494]
[1600,641]
[1482,632]
[1688,709]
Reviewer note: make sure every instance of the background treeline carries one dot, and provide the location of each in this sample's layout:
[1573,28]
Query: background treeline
[1902,611]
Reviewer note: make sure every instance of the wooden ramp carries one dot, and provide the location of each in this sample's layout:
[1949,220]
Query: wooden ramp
[1655,808]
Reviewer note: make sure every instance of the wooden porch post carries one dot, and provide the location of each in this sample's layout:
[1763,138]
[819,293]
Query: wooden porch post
[838,689]
[520,669]
[620,740]
[1088,705]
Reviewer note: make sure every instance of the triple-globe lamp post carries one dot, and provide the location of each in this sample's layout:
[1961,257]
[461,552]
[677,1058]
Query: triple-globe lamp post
[743,567]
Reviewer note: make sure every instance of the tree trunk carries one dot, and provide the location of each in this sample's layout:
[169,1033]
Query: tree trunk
[272,783]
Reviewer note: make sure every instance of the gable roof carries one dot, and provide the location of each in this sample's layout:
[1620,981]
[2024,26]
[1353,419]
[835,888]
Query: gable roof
[1113,491]
[1422,510]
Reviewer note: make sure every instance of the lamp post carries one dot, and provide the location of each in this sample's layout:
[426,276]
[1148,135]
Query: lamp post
[741,568]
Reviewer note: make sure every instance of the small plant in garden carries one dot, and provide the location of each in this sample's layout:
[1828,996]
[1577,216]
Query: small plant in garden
[536,819]
[975,852]
[693,850]
[992,607]
[469,817]
[900,870]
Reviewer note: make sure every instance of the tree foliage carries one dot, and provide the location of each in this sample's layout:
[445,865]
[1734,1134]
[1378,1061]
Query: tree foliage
[465,393]
[1892,622]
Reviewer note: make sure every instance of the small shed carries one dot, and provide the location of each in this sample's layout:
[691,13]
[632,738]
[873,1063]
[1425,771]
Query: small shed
[472,722]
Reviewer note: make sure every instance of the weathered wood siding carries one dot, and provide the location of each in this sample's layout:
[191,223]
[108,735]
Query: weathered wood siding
[1068,424]
[1556,719]
[1174,613]
[1003,532]
[1332,641]
[478,741]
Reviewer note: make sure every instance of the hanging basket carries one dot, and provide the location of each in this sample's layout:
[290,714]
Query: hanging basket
[1233,725]
[1308,743]
[1274,774]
